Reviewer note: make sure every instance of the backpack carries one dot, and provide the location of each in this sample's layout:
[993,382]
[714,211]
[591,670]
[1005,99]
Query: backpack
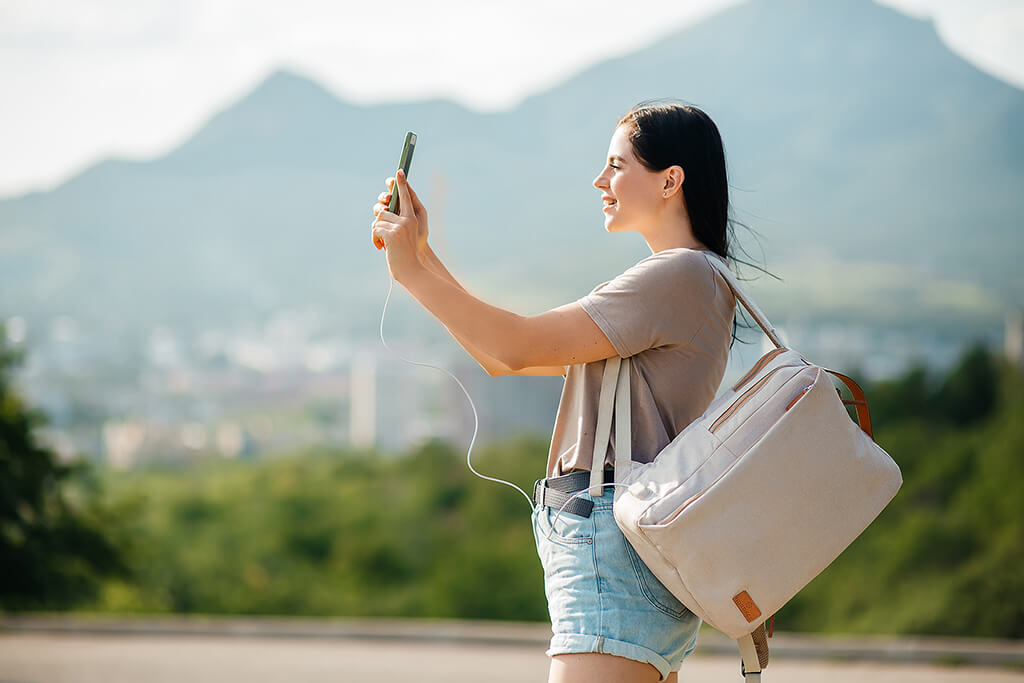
[756,497]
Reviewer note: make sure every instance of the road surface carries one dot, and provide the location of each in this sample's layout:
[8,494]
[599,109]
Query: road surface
[121,658]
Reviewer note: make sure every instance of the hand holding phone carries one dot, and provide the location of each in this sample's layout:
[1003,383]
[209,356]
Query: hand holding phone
[403,163]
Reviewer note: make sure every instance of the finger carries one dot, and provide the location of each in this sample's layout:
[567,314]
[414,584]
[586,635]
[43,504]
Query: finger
[383,206]
[384,197]
[381,235]
[390,182]
[405,201]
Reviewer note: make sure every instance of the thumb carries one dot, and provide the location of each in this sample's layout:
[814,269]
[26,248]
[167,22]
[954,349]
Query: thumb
[417,205]
[406,208]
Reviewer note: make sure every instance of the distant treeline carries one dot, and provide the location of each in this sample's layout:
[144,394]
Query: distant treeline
[342,533]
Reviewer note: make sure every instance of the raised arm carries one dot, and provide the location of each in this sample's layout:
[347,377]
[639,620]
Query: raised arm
[505,340]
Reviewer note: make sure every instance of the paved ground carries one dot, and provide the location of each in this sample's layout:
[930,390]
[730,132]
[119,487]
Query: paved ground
[119,658]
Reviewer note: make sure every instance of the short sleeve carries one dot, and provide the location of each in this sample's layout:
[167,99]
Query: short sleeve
[661,301]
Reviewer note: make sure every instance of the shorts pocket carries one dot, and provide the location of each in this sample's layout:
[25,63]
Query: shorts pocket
[656,593]
[568,528]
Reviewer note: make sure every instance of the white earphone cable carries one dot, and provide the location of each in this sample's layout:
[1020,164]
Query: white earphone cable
[476,419]
[558,515]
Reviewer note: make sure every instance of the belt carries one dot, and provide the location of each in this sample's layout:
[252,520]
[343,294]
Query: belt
[553,492]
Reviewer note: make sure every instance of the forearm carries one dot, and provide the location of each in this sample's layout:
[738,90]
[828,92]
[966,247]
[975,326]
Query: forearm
[493,366]
[434,264]
[489,334]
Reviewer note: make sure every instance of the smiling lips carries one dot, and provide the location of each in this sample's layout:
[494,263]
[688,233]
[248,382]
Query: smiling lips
[608,202]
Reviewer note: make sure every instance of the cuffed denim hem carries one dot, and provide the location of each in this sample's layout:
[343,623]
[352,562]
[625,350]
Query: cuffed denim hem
[602,598]
[578,643]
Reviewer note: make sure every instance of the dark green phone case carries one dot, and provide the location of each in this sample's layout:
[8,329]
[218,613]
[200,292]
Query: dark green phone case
[404,162]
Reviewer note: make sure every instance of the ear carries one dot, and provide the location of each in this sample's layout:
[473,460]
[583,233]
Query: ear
[674,177]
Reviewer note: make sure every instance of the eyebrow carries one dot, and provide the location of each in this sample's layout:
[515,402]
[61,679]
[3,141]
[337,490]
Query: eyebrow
[615,157]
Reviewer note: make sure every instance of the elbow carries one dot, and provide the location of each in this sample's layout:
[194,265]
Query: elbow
[497,372]
[512,357]
[498,367]
[514,364]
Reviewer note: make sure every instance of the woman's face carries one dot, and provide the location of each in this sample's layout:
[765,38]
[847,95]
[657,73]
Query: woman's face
[632,193]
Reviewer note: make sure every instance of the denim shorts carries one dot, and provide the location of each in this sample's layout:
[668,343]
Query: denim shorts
[602,597]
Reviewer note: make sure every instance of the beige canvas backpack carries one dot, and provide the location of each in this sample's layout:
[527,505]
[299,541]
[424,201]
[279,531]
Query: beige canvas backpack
[756,497]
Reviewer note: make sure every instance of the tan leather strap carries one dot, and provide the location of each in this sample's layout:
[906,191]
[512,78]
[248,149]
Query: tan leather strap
[859,402]
[761,645]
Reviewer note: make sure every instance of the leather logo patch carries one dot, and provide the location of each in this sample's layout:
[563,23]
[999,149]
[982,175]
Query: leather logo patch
[746,605]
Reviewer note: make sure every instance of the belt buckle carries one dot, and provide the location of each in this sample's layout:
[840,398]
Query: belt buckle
[543,497]
[539,491]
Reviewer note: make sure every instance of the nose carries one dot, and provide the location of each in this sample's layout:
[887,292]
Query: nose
[600,182]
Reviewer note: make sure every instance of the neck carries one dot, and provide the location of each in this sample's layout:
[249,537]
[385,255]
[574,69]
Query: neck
[672,230]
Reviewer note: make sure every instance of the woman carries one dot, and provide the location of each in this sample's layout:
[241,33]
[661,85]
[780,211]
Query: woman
[672,313]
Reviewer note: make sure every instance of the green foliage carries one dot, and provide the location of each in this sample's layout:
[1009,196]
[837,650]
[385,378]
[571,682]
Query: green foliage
[54,548]
[335,533]
[968,394]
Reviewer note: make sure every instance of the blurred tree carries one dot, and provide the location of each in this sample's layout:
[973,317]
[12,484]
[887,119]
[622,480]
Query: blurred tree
[969,392]
[53,553]
[964,396]
[905,398]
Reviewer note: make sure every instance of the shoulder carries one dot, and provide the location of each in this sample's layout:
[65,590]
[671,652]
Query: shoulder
[680,257]
[683,267]
[665,275]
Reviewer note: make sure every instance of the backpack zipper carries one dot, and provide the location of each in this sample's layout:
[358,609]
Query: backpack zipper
[741,400]
[765,359]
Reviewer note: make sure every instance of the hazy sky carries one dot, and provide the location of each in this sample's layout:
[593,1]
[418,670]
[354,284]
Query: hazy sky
[85,79]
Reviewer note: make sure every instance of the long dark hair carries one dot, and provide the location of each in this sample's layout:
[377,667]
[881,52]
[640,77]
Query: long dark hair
[665,134]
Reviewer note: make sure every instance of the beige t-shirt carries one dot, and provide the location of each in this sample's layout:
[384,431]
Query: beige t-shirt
[672,313]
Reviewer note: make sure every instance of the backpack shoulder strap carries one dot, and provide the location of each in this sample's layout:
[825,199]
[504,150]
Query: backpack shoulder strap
[744,298]
[614,393]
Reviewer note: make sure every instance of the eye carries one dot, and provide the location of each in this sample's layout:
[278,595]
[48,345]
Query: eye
[613,165]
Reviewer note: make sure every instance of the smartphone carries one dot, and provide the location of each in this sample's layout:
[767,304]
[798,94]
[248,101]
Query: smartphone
[403,163]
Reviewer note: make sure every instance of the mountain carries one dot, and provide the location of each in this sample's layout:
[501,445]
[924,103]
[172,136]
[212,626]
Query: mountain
[881,171]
